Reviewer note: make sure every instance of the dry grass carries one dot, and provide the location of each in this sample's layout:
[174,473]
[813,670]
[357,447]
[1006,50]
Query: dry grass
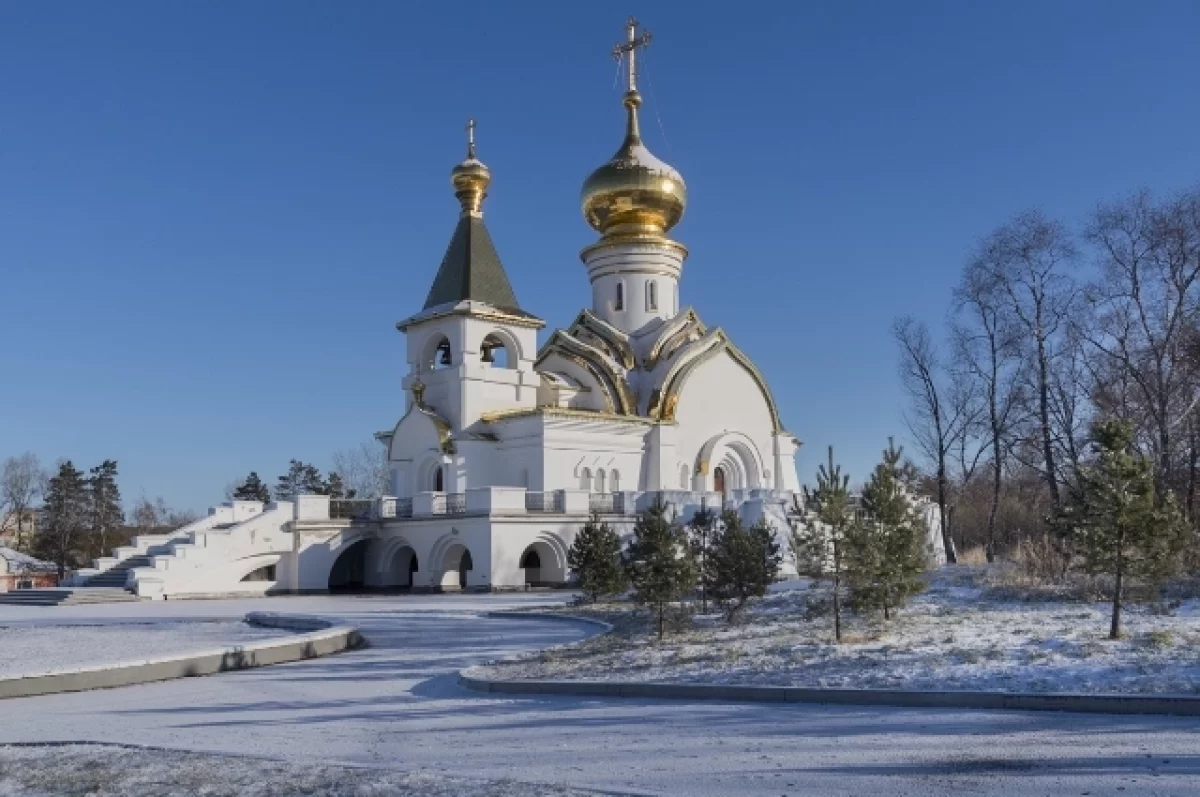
[973,556]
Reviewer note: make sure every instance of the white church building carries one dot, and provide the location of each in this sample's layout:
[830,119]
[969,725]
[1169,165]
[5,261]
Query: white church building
[505,447]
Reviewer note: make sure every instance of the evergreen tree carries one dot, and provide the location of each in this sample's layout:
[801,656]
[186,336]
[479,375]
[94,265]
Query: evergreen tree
[300,479]
[700,532]
[1118,522]
[335,487]
[64,518]
[819,540]
[595,556]
[253,489]
[885,546]
[741,563]
[658,561]
[104,516]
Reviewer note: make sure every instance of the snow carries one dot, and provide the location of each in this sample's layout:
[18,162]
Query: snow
[31,650]
[957,635]
[18,562]
[395,707]
[114,771]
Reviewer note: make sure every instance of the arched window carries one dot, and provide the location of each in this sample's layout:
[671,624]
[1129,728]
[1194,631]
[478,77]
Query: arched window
[620,296]
[683,477]
[651,295]
[439,480]
[614,479]
[600,481]
[719,481]
[585,479]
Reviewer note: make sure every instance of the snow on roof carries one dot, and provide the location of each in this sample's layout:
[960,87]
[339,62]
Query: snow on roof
[18,562]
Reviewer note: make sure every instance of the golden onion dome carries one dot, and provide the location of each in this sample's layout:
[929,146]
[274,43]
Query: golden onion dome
[471,178]
[635,193]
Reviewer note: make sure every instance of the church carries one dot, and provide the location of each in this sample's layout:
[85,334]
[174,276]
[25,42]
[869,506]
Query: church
[505,447]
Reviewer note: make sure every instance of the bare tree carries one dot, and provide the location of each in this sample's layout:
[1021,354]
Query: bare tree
[1146,306]
[22,483]
[364,469]
[1029,259]
[988,348]
[940,413]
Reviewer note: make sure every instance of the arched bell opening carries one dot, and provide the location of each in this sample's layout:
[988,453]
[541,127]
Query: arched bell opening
[436,354]
[349,571]
[497,352]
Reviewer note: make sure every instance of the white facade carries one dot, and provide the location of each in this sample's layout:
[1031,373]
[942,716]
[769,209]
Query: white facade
[504,447]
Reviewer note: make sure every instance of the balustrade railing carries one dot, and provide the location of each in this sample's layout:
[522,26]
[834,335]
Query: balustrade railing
[449,504]
[544,502]
[351,508]
[403,507]
[607,503]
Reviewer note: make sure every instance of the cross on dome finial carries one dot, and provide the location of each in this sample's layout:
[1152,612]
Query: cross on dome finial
[471,178]
[631,44]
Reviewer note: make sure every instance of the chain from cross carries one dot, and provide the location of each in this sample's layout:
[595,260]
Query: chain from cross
[631,45]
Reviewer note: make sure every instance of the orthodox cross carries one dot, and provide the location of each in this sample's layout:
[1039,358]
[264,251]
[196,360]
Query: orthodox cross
[470,138]
[630,45]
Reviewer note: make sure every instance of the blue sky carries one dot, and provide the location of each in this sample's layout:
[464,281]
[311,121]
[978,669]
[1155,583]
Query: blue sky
[212,214]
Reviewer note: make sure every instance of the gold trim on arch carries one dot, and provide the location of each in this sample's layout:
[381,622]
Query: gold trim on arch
[665,400]
[592,360]
[682,324]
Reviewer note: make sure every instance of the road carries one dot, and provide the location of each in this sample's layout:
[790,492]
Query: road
[397,705]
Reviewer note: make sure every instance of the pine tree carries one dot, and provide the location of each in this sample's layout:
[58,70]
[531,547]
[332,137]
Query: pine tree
[1118,523]
[595,556]
[301,479]
[658,561]
[700,532]
[335,487]
[253,489]
[104,516]
[819,540]
[885,546]
[64,517]
[742,562]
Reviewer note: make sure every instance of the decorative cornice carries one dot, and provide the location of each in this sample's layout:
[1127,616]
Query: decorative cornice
[564,412]
[474,310]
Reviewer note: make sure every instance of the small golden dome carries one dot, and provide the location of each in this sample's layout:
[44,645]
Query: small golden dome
[635,193]
[471,178]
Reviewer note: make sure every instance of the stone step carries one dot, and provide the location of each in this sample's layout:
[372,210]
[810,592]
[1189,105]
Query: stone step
[57,596]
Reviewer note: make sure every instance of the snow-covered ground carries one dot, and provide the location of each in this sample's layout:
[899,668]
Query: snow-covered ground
[396,706]
[957,635]
[108,771]
[33,649]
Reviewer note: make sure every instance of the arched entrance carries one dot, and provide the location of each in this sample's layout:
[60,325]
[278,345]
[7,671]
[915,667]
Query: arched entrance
[456,565]
[403,567]
[544,563]
[349,572]
[531,563]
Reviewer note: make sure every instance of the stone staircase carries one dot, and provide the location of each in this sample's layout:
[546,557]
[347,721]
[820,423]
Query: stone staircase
[117,576]
[66,596]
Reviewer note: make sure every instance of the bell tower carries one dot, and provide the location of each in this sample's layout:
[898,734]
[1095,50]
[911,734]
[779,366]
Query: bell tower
[471,349]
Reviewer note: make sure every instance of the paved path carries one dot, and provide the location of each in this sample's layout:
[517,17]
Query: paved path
[397,705]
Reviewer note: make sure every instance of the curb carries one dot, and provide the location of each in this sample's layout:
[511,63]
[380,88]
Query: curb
[1177,705]
[321,638]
